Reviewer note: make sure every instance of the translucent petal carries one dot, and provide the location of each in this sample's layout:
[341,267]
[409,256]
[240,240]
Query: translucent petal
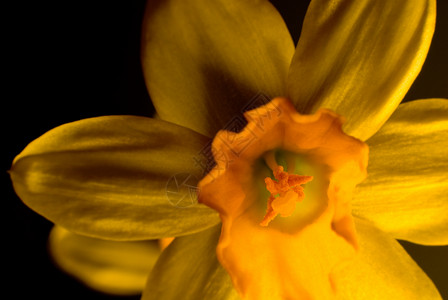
[406,190]
[116,177]
[205,62]
[119,268]
[359,58]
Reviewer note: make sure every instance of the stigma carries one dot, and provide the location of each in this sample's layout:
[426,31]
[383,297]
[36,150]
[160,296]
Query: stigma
[284,193]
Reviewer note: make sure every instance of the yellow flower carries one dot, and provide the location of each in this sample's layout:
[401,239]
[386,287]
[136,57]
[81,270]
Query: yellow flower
[109,177]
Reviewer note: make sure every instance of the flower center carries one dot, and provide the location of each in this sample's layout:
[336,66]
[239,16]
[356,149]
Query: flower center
[284,193]
[262,170]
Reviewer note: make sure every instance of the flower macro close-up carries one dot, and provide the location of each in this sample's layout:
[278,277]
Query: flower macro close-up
[272,167]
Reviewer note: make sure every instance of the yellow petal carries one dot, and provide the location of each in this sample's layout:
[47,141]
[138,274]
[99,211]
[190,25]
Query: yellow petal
[406,191]
[204,62]
[115,177]
[119,268]
[188,270]
[359,58]
[381,270]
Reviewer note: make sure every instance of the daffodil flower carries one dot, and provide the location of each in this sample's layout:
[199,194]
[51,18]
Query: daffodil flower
[285,212]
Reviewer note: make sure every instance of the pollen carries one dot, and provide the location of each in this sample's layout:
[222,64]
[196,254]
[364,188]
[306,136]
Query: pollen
[285,191]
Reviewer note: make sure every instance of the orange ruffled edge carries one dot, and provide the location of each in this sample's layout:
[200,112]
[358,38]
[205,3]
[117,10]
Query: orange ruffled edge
[292,261]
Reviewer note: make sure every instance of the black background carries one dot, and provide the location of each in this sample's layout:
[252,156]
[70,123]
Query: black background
[72,60]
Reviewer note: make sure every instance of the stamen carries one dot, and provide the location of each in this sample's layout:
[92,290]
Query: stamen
[289,190]
[270,160]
